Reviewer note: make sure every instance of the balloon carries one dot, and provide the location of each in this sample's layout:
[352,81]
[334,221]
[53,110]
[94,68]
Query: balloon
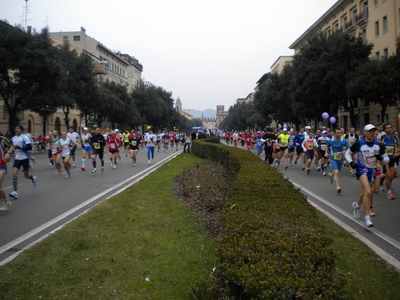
[325,116]
[332,120]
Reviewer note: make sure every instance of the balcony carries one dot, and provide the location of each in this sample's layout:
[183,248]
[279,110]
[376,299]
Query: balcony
[362,18]
[100,69]
[350,26]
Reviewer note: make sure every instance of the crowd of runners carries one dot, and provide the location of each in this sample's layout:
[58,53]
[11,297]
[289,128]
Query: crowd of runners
[372,156]
[61,150]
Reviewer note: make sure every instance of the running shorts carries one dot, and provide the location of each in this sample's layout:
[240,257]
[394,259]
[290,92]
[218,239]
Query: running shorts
[24,163]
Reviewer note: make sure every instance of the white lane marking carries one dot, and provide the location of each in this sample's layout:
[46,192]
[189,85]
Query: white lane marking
[380,234]
[76,208]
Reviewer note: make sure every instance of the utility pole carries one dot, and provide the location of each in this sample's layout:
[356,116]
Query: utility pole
[26,15]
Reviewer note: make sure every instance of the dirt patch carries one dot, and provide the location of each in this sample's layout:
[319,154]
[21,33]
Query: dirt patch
[204,188]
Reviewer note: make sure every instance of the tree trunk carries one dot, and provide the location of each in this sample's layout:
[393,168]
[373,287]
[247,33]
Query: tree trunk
[383,111]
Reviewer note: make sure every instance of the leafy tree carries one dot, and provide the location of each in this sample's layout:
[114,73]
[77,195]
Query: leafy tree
[320,73]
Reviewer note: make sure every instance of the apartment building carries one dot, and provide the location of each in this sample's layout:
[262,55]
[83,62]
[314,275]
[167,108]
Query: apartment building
[110,66]
[280,63]
[378,22]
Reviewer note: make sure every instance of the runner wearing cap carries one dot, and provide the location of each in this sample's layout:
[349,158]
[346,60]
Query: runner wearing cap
[334,149]
[368,151]
[309,145]
[150,140]
[86,148]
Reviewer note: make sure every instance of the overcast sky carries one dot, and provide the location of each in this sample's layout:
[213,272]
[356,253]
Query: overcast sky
[207,52]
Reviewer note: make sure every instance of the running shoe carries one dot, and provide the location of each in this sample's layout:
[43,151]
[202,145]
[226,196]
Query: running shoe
[318,169]
[68,175]
[324,174]
[371,212]
[134,164]
[73,165]
[34,180]
[330,178]
[50,164]
[290,164]
[382,188]
[308,172]
[13,194]
[33,160]
[353,172]
[368,222]
[102,170]
[339,190]
[83,168]
[94,170]
[356,210]
[303,168]
[5,205]
[286,167]
[390,196]
[295,162]
[149,162]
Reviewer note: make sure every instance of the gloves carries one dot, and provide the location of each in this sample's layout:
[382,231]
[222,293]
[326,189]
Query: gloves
[353,165]
[379,157]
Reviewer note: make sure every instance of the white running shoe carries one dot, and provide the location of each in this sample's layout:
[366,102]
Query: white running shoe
[13,194]
[356,209]
[330,178]
[5,205]
[149,162]
[34,180]
[324,174]
[368,222]
[114,166]
[73,165]
[134,164]
[94,170]
[68,175]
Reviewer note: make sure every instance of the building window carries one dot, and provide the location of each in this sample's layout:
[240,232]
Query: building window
[345,22]
[336,26]
[378,54]
[364,35]
[65,37]
[385,24]
[376,2]
[365,8]
[354,15]
[366,118]
[386,53]
[77,37]
[57,125]
[377,28]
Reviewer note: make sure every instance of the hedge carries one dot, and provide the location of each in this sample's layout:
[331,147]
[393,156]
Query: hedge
[273,246]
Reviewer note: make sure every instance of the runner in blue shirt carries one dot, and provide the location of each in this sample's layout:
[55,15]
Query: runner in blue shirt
[335,148]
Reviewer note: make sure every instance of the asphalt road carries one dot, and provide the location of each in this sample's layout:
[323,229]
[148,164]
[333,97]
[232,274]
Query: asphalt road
[56,200]
[386,231]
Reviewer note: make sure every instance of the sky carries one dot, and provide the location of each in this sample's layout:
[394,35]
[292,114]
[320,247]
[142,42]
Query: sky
[207,53]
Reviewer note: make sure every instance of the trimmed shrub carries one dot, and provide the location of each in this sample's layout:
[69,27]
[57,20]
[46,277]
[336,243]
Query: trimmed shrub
[272,245]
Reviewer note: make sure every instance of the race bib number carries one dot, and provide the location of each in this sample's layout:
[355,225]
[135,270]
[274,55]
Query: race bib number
[389,150]
[96,146]
[133,143]
[337,156]
[150,142]
[112,146]
[370,162]
[291,143]
[86,143]
[310,146]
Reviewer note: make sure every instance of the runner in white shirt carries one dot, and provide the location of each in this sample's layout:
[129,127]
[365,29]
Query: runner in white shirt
[21,146]
[150,140]
[73,136]
[66,145]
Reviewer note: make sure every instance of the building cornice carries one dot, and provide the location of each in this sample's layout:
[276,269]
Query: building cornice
[331,13]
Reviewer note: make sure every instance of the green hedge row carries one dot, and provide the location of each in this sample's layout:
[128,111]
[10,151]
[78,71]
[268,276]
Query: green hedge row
[273,246]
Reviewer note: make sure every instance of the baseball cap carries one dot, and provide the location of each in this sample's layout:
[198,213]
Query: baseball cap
[85,128]
[324,131]
[369,127]
[307,127]
[258,131]
[284,129]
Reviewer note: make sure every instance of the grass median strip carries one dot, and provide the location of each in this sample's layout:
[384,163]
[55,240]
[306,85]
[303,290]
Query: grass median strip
[140,244]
